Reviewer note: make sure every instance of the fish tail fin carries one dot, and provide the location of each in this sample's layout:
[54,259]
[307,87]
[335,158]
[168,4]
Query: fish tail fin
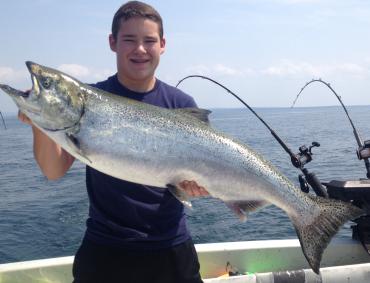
[320,225]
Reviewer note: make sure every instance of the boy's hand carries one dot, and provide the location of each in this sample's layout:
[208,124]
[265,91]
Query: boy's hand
[23,118]
[193,190]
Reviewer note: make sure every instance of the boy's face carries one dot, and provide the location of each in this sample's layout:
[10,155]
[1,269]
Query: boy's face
[138,48]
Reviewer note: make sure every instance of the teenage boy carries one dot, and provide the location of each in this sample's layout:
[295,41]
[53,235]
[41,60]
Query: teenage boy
[135,233]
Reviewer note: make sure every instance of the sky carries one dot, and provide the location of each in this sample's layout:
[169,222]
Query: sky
[263,50]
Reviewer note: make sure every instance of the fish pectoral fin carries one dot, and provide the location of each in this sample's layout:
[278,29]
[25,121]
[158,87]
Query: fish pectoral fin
[201,114]
[75,145]
[180,194]
[243,208]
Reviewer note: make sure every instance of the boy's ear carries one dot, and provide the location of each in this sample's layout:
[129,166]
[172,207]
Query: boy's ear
[163,45]
[112,43]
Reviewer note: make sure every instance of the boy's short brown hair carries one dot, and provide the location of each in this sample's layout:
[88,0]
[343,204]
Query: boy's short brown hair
[133,9]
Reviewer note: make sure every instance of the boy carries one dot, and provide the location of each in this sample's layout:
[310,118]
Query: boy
[135,233]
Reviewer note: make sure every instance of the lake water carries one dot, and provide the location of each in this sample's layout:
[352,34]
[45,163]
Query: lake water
[41,219]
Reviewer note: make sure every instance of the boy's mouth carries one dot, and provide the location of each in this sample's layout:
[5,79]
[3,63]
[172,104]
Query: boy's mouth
[139,61]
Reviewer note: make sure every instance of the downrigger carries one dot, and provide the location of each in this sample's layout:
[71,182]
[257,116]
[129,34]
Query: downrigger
[354,191]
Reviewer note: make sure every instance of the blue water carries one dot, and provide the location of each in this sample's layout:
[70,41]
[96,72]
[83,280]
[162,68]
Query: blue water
[41,219]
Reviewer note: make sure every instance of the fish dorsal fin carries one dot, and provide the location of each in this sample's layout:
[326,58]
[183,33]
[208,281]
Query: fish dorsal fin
[201,114]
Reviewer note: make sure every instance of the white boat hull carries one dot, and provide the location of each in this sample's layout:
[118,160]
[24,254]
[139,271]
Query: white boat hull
[264,261]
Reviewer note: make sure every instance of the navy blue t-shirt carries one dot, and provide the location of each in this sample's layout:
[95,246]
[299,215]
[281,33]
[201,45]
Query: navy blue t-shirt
[129,215]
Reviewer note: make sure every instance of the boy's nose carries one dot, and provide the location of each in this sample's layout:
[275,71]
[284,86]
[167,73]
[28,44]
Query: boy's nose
[140,48]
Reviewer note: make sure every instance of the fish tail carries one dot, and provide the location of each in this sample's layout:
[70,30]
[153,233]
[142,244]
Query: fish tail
[316,227]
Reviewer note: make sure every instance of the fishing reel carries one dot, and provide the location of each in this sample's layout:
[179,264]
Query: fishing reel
[304,155]
[307,179]
[356,192]
[363,153]
[364,150]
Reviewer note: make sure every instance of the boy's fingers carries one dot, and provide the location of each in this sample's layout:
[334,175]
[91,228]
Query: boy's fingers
[23,118]
[193,189]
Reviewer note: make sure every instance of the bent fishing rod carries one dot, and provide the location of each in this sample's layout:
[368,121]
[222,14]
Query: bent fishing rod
[363,151]
[298,160]
[2,118]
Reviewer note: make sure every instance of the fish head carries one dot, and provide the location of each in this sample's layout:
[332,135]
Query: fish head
[55,102]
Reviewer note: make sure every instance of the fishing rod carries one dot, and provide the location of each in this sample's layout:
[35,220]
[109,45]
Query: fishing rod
[298,160]
[363,151]
[2,118]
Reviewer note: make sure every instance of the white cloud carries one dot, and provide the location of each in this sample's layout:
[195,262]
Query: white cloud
[198,70]
[291,68]
[85,73]
[8,74]
[220,69]
[74,70]
[225,70]
[286,68]
[353,69]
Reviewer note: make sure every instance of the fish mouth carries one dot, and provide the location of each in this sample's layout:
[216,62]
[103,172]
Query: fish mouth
[32,69]
[20,99]
[25,99]
[15,93]
[31,66]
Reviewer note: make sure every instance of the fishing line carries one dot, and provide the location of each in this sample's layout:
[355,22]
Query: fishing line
[298,160]
[2,118]
[357,136]
[363,151]
[285,147]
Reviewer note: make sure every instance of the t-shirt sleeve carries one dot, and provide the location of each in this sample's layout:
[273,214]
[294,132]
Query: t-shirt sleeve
[189,102]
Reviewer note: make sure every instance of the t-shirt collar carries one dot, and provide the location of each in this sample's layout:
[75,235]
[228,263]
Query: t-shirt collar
[130,92]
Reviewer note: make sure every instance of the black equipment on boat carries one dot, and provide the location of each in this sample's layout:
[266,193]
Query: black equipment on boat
[299,160]
[356,192]
[363,151]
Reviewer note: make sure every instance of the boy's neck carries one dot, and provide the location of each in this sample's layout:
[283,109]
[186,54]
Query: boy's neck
[137,86]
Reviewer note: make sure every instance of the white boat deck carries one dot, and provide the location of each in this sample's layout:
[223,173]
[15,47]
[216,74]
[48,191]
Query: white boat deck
[262,261]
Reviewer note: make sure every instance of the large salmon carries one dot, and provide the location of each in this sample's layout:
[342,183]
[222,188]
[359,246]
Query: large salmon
[154,146]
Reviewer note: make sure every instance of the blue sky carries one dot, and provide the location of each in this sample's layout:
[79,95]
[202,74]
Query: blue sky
[264,50]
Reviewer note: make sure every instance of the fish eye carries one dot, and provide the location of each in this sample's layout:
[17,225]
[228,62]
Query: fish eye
[46,83]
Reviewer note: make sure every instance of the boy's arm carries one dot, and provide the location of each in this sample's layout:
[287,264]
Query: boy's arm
[53,160]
